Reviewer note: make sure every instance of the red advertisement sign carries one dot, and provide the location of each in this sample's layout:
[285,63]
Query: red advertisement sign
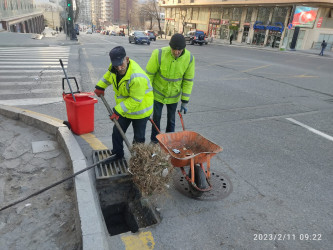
[320,21]
[225,22]
[214,21]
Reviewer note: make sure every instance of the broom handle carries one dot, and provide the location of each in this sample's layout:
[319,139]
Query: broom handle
[117,124]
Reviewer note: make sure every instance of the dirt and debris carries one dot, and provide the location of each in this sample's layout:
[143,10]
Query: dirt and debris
[151,168]
[45,221]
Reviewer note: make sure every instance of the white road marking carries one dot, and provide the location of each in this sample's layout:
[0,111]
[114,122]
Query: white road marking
[30,101]
[326,136]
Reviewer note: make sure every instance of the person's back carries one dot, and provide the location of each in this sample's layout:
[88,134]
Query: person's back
[324,44]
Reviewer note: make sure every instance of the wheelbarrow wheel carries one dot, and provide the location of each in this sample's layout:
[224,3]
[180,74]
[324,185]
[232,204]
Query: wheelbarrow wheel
[199,179]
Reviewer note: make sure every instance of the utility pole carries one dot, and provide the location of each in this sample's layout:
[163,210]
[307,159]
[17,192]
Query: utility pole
[70,22]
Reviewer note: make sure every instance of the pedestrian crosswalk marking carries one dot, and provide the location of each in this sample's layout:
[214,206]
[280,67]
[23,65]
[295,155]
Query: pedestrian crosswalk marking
[31,73]
[31,101]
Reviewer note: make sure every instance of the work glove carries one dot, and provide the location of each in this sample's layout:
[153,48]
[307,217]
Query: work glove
[115,115]
[99,92]
[183,107]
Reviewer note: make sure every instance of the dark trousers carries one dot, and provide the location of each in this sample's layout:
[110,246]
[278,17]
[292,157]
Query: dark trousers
[139,127]
[171,114]
[322,51]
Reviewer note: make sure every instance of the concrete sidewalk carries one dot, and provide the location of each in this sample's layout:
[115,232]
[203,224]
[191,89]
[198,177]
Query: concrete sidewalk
[267,48]
[11,39]
[36,151]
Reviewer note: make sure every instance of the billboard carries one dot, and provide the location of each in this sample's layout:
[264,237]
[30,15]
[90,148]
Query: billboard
[304,17]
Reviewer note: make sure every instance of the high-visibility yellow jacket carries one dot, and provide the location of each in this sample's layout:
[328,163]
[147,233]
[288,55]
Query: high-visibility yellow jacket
[133,94]
[172,79]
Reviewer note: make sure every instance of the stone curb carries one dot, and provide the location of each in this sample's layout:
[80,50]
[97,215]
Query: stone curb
[90,219]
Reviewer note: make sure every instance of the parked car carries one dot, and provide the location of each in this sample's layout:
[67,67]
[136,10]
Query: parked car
[151,34]
[113,33]
[138,37]
[196,37]
[89,31]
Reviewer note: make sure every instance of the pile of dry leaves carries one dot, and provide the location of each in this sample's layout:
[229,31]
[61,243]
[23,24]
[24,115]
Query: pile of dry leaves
[150,167]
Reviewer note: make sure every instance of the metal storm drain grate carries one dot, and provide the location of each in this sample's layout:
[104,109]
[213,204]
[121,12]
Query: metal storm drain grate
[107,170]
[221,184]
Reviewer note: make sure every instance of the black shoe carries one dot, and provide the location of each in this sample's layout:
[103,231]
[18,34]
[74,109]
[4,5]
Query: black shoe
[117,156]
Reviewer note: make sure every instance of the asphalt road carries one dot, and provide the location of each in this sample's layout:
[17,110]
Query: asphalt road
[271,112]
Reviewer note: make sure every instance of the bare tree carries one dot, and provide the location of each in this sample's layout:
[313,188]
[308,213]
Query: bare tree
[184,17]
[152,11]
[146,12]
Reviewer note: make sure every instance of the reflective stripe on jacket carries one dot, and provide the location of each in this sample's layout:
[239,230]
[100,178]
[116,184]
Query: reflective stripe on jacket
[172,79]
[133,94]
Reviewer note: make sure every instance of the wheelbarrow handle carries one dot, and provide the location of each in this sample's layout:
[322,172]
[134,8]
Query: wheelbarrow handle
[181,119]
[152,122]
[117,124]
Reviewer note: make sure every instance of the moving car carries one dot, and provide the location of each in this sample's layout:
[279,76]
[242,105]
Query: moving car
[196,37]
[138,37]
[89,31]
[151,34]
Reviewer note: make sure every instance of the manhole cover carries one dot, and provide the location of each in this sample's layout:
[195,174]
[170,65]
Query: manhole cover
[113,169]
[221,184]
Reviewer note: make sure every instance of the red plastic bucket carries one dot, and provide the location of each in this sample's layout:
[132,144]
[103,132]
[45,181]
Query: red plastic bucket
[81,113]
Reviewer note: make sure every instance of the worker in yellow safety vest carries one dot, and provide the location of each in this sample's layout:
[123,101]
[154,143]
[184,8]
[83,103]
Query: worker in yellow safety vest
[171,72]
[133,95]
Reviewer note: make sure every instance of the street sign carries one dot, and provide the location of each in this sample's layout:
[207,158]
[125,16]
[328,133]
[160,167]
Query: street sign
[290,25]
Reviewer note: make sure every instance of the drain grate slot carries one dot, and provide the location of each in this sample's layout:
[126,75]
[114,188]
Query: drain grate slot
[113,169]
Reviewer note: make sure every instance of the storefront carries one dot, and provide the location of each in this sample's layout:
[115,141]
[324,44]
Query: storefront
[224,29]
[233,29]
[214,27]
[273,35]
[259,34]
[246,31]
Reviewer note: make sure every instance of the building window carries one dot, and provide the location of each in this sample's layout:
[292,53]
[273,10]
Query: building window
[263,15]
[192,1]
[236,14]
[226,14]
[279,14]
[248,15]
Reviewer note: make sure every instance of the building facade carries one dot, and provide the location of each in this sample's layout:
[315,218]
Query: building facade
[20,16]
[263,23]
[108,12]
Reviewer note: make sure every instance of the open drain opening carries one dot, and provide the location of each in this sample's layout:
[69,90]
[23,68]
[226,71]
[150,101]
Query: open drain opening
[119,219]
[123,208]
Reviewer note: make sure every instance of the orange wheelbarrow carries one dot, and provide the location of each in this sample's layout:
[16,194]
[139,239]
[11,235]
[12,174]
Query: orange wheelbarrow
[188,148]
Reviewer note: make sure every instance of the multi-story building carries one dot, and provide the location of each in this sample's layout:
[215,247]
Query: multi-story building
[107,14]
[20,16]
[124,10]
[263,23]
[85,12]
